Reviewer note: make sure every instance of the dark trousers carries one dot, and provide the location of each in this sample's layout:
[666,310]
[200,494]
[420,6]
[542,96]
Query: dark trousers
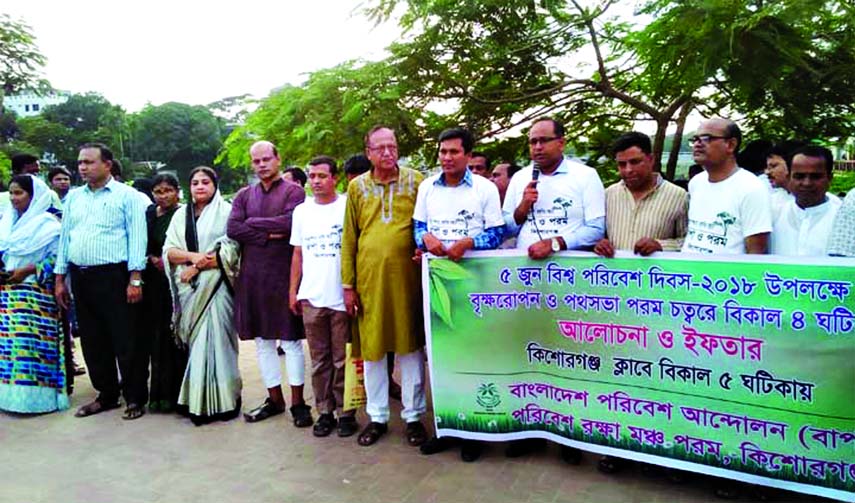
[109,332]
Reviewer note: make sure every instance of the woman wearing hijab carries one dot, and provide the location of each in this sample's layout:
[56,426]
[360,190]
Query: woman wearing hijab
[201,264]
[168,360]
[32,355]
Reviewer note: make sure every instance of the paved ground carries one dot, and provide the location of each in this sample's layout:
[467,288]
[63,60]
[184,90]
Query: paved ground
[164,458]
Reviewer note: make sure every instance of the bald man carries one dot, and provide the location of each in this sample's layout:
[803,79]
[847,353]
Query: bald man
[729,207]
[261,222]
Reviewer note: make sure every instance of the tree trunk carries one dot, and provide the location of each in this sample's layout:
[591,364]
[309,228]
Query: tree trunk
[671,169]
[659,142]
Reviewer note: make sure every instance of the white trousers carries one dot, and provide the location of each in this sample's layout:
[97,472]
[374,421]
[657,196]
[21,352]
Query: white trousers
[412,367]
[268,362]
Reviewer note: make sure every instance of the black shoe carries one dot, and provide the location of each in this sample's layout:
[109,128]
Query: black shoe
[471,450]
[611,464]
[435,445]
[263,411]
[325,425]
[519,448]
[302,415]
[728,490]
[347,426]
[571,455]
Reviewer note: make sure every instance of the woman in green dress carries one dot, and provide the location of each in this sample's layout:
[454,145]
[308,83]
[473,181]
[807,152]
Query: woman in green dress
[168,360]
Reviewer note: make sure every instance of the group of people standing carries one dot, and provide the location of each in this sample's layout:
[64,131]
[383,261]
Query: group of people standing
[171,288]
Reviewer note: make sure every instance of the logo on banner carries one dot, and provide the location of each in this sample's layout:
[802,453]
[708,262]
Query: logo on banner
[488,396]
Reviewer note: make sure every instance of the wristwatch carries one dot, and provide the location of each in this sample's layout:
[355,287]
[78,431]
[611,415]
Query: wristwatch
[136,283]
[556,245]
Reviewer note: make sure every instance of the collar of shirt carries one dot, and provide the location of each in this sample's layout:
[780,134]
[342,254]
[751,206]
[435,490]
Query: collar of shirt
[813,210]
[467,179]
[562,169]
[110,185]
[274,184]
[656,186]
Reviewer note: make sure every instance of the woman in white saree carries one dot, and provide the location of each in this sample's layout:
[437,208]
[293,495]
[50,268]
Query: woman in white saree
[201,264]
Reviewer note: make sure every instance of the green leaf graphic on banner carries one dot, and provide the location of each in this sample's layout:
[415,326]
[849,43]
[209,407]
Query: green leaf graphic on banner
[440,302]
[448,270]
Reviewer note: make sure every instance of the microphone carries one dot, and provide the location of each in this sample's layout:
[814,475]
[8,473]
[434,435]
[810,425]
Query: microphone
[535,174]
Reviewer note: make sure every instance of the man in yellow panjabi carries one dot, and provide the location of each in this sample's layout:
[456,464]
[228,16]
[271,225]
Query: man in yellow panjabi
[382,285]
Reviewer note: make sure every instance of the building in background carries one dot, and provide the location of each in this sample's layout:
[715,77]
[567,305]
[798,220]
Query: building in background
[28,104]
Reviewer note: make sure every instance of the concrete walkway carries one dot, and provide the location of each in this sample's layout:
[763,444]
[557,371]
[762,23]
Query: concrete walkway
[164,458]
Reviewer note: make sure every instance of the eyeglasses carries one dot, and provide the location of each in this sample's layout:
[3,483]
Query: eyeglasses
[542,141]
[379,149]
[706,138]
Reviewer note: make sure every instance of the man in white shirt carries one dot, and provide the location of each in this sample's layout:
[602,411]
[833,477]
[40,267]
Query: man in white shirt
[803,226]
[316,293]
[563,207]
[729,207]
[456,211]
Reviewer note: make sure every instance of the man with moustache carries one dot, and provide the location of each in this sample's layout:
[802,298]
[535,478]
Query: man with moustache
[102,247]
[564,209]
[644,212]
[729,207]
[261,222]
[382,285]
[803,226]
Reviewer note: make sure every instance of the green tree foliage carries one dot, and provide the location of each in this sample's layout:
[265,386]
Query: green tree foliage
[598,66]
[330,113]
[20,60]
[180,135]
[49,137]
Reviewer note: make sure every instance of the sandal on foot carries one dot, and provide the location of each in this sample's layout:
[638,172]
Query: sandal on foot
[347,426]
[416,434]
[302,415]
[263,411]
[325,425]
[95,407]
[133,411]
[372,433]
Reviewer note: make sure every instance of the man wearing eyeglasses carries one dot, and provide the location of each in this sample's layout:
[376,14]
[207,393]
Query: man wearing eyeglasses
[382,284]
[729,207]
[561,209]
[564,209]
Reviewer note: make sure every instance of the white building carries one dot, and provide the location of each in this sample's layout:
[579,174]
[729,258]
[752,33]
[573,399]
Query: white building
[28,104]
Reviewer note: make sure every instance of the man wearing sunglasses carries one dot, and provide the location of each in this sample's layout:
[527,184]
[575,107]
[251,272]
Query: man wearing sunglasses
[729,207]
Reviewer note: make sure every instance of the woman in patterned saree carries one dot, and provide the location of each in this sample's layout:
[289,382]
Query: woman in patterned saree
[201,264]
[32,355]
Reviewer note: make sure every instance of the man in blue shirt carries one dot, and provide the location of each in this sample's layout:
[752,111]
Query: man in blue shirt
[102,246]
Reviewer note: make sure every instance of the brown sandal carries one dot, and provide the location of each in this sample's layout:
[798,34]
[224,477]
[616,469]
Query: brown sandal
[133,411]
[372,433]
[95,407]
[416,433]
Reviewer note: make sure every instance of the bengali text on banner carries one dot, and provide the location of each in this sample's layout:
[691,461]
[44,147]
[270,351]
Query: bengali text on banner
[735,367]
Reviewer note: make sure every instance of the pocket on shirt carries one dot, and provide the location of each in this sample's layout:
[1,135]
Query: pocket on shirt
[111,216]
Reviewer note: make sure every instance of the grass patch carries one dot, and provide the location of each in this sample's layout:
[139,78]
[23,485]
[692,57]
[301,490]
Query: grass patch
[477,423]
